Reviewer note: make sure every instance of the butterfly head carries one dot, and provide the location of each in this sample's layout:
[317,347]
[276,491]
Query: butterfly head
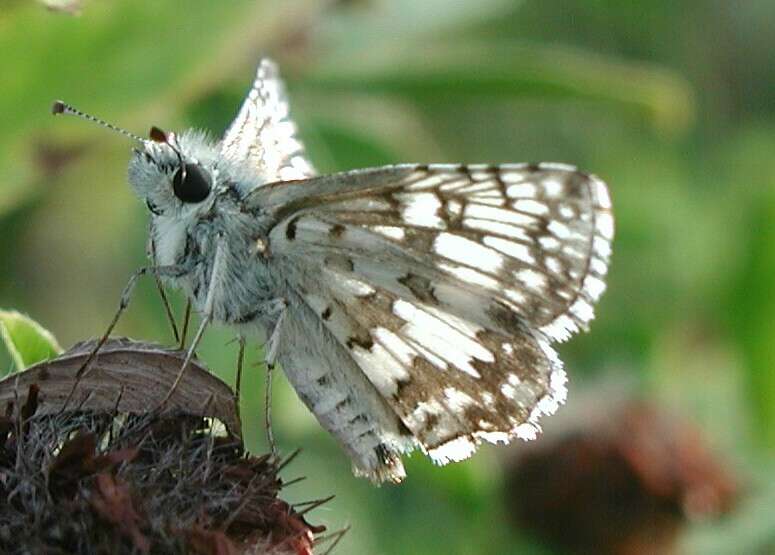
[175,174]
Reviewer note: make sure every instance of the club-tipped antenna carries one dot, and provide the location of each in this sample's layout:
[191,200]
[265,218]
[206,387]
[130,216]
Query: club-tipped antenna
[60,107]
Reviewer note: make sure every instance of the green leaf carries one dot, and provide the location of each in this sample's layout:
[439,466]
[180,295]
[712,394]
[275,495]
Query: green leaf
[27,341]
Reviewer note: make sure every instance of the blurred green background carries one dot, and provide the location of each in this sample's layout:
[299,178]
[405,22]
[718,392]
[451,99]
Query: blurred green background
[671,102]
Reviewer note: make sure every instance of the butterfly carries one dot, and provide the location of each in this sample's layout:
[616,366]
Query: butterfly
[411,306]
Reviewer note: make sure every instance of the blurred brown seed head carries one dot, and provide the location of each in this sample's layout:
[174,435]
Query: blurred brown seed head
[624,486]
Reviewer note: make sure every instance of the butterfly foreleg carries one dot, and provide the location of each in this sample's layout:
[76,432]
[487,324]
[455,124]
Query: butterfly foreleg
[163,293]
[174,271]
[126,296]
[214,284]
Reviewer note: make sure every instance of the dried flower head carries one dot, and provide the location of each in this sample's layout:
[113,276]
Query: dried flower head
[100,471]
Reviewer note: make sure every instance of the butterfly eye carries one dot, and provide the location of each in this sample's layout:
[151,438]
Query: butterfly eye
[191,183]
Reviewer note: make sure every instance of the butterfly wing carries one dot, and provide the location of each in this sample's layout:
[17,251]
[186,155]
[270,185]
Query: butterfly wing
[446,284]
[264,134]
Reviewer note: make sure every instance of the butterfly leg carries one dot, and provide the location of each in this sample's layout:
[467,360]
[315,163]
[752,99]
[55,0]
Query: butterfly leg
[216,276]
[167,307]
[268,410]
[186,322]
[278,307]
[126,295]
[206,319]
[163,294]
[275,308]
[240,364]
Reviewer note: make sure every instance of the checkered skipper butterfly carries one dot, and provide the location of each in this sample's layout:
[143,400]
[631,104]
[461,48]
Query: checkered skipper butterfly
[410,306]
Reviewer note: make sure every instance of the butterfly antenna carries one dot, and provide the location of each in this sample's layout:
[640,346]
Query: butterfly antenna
[60,107]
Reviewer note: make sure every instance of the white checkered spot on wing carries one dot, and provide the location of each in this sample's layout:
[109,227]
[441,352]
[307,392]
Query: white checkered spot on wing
[263,132]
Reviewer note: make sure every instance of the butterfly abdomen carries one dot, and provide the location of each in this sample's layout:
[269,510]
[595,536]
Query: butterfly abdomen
[344,401]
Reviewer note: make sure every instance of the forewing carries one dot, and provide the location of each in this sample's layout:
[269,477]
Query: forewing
[489,243]
[446,284]
[263,132]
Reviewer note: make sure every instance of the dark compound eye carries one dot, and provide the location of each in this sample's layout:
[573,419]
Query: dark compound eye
[191,183]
